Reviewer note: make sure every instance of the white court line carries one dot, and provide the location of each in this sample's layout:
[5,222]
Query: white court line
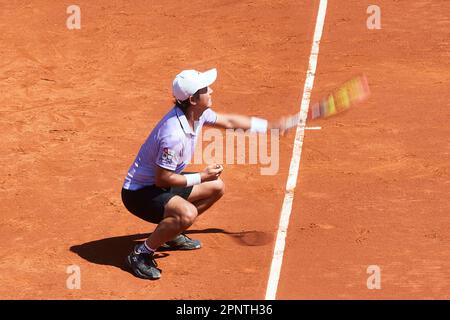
[313,128]
[286,209]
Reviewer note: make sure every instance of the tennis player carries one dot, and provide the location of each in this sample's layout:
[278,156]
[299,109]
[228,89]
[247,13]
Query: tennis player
[158,191]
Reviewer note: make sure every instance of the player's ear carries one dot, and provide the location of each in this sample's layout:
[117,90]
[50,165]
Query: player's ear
[193,100]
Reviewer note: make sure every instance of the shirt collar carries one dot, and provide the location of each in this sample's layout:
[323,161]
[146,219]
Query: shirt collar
[183,120]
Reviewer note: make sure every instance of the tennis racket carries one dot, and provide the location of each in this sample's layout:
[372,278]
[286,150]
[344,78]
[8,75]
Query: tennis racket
[351,93]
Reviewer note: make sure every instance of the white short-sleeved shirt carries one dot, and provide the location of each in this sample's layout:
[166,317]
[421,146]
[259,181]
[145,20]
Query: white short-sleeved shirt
[170,145]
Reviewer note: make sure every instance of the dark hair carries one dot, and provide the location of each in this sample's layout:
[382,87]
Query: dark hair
[184,105]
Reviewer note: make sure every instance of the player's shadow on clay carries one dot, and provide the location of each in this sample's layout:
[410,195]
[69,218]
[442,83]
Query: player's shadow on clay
[243,238]
[113,251]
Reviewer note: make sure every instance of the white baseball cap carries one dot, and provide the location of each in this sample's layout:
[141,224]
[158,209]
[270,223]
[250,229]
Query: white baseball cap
[188,82]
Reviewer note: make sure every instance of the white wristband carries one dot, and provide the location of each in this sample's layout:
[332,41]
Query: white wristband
[258,125]
[193,179]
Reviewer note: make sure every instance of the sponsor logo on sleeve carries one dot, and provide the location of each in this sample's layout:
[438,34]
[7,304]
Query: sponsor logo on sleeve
[168,156]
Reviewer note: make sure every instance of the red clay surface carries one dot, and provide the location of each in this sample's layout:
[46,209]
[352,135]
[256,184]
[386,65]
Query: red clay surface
[75,107]
[374,183]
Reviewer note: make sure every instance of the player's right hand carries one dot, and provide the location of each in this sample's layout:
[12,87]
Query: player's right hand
[279,124]
[284,124]
[212,172]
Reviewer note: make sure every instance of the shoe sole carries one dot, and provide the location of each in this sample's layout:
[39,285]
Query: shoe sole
[138,273]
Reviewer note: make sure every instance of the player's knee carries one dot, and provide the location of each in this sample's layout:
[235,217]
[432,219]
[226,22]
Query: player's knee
[219,187]
[188,215]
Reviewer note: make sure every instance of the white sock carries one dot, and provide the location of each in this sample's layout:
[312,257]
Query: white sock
[143,248]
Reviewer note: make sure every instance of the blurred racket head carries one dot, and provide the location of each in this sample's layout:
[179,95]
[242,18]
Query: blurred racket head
[351,93]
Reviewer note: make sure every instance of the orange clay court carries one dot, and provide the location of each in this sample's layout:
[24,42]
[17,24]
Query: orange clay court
[373,184]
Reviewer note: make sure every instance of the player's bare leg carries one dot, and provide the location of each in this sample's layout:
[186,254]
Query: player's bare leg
[204,195]
[179,215]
